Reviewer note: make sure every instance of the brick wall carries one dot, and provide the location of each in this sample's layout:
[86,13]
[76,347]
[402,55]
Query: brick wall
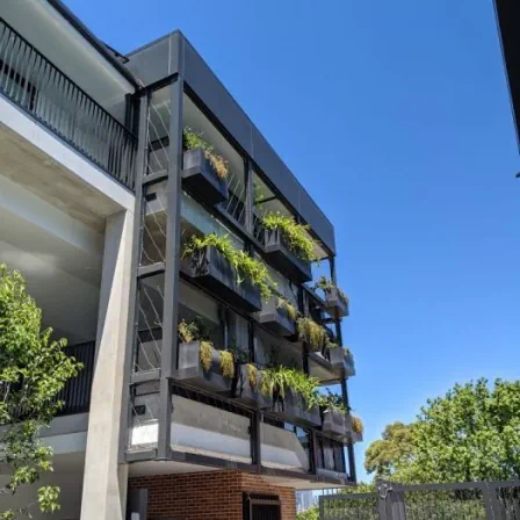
[215,495]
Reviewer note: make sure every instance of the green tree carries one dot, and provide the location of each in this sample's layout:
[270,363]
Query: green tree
[33,369]
[312,513]
[396,449]
[471,434]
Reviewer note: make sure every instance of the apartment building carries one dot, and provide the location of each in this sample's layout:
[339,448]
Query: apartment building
[508,18]
[153,221]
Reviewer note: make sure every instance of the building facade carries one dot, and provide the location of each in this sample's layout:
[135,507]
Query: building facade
[190,271]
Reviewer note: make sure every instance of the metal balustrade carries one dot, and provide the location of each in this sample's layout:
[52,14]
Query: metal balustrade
[33,83]
[76,394]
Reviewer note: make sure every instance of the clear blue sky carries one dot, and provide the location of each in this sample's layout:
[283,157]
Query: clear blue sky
[395,116]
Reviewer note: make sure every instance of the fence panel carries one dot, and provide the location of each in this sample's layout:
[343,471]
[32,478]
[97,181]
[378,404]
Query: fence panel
[465,501]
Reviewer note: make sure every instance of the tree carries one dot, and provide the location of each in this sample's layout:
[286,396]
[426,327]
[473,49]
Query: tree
[312,513]
[33,370]
[470,434]
[384,457]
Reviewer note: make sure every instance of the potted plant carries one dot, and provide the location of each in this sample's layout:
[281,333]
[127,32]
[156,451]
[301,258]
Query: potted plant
[232,274]
[289,246]
[294,395]
[316,336]
[357,429]
[334,415]
[200,363]
[336,301]
[278,315]
[250,389]
[205,172]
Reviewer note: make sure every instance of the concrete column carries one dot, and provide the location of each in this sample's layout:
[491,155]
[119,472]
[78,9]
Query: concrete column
[105,481]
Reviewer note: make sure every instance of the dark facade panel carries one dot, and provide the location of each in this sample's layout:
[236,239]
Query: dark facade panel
[157,60]
[174,53]
[508,15]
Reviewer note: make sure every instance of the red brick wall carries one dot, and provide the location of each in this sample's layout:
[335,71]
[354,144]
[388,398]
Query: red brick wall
[215,495]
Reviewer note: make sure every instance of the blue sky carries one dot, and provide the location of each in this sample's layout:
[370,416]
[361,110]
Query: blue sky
[396,118]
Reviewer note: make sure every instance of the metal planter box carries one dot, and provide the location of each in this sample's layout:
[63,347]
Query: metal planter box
[275,318]
[284,259]
[212,270]
[191,371]
[334,304]
[341,361]
[293,409]
[334,423]
[199,178]
[249,395]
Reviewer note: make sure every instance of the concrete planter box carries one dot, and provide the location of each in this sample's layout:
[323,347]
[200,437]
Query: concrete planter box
[334,304]
[351,434]
[248,395]
[191,371]
[284,259]
[293,409]
[212,270]
[199,178]
[275,318]
[334,423]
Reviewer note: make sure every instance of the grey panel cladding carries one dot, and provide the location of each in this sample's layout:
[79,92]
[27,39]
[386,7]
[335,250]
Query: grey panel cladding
[174,53]
[157,60]
[212,92]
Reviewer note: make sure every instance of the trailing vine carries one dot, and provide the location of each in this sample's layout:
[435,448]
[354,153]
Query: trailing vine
[252,375]
[290,309]
[312,333]
[227,364]
[246,267]
[327,286]
[295,235]
[357,425]
[193,140]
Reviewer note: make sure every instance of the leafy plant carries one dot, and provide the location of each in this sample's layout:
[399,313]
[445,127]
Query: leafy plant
[332,402]
[357,425]
[246,267]
[33,370]
[193,140]
[312,333]
[206,354]
[327,286]
[188,332]
[227,363]
[290,309]
[252,375]
[295,235]
[277,380]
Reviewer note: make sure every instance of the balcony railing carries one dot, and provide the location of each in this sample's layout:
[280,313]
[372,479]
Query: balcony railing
[32,82]
[76,394]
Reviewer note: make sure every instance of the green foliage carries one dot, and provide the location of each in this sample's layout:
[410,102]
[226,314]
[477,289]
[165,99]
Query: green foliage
[295,235]
[33,370]
[291,309]
[246,267]
[313,334]
[328,286]
[470,434]
[277,380]
[395,450]
[332,401]
[312,513]
[193,140]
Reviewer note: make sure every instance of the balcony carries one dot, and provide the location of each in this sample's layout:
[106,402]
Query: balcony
[43,91]
[76,394]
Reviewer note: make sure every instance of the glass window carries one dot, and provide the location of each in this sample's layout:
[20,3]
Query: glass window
[144,426]
[153,249]
[159,130]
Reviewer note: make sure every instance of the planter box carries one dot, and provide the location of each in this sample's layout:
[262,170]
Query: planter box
[334,305]
[334,424]
[190,370]
[212,270]
[275,318]
[284,259]
[341,361]
[351,434]
[200,179]
[293,409]
[246,394]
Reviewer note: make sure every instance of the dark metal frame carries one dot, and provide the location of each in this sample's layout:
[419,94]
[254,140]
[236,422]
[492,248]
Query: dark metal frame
[173,273]
[389,501]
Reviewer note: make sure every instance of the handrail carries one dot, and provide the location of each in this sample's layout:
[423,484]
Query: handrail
[35,84]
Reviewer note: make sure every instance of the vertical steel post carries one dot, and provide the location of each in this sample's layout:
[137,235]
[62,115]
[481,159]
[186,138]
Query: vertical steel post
[140,165]
[172,266]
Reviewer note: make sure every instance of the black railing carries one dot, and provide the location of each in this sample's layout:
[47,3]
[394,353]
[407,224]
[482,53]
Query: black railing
[76,394]
[32,82]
